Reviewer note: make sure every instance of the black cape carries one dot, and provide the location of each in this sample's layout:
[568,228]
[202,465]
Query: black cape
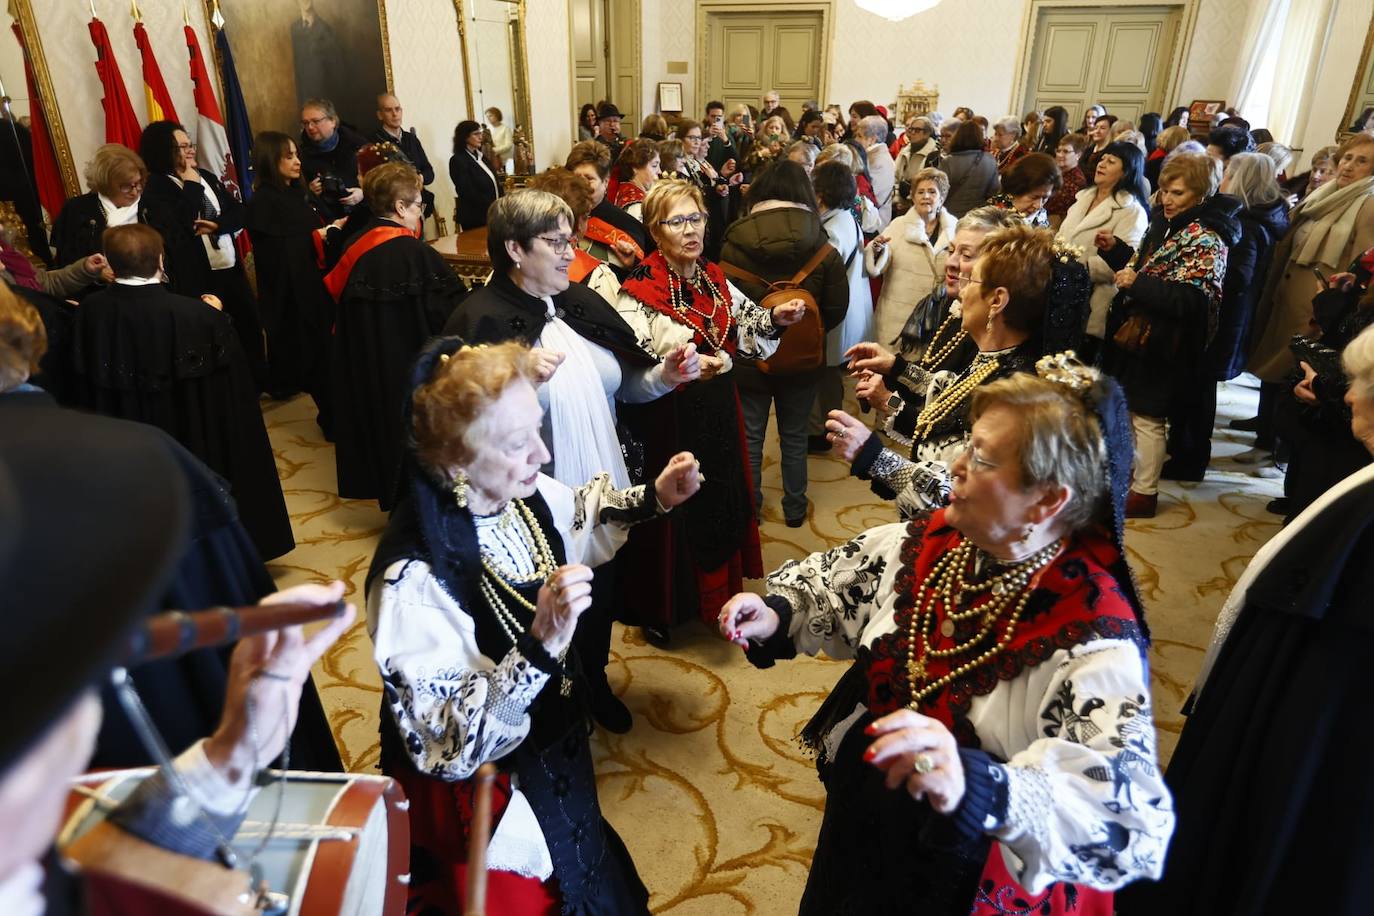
[1270,777]
[59,323]
[396,297]
[297,311]
[143,353]
[219,566]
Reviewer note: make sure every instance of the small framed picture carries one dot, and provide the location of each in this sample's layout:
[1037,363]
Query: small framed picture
[1201,114]
[670,97]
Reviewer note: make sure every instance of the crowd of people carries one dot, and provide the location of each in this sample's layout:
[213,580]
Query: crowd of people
[1034,319]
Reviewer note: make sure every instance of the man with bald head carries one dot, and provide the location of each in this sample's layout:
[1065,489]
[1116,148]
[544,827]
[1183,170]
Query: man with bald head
[391,116]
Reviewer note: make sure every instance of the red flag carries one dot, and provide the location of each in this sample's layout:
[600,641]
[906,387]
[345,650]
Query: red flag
[159,99]
[51,192]
[121,126]
[212,142]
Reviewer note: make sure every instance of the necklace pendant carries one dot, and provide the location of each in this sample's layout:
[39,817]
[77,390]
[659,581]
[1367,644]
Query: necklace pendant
[707,323]
[947,628]
[999,588]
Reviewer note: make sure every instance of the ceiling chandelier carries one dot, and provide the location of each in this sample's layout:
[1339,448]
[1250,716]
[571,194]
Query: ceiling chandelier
[896,10]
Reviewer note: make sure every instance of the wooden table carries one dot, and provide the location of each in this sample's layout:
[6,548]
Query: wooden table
[466,253]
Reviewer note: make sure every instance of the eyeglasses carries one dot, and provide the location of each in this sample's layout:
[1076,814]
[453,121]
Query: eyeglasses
[680,223]
[559,245]
[414,203]
[130,188]
[311,122]
[185,146]
[967,280]
[976,462]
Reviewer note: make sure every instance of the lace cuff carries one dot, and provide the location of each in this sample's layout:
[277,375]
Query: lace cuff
[891,474]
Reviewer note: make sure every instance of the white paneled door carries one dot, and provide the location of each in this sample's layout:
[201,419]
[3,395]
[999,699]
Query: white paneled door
[748,53]
[1119,59]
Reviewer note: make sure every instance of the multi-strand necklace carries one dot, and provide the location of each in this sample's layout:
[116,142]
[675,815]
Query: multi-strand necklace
[933,357]
[948,595]
[714,329]
[953,396]
[498,577]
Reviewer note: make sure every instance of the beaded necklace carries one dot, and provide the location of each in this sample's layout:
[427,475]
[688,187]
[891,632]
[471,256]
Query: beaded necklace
[932,357]
[495,575]
[948,593]
[684,304]
[953,396]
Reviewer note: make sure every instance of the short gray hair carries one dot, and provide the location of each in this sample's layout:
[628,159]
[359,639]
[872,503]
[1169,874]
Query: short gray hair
[843,153]
[519,217]
[951,126]
[1010,125]
[922,120]
[987,219]
[1253,178]
[1358,362]
[323,105]
[806,148]
[874,127]
[1281,154]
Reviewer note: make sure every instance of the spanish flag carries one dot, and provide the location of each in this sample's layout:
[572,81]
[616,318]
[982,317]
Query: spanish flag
[159,99]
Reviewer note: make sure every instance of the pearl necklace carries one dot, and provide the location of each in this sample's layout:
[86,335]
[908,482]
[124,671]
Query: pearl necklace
[953,396]
[932,358]
[683,304]
[941,595]
[494,575]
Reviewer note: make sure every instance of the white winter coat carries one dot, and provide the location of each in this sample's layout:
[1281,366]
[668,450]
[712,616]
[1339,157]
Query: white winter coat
[857,326]
[911,267]
[1126,219]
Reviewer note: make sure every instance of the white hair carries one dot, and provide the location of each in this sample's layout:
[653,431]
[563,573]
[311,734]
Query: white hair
[874,127]
[1358,361]
[1009,125]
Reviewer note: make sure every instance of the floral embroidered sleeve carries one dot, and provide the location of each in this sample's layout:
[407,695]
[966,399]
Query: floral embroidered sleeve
[829,599]
[454,707]
[595,519]
[1086,801]
[758,336]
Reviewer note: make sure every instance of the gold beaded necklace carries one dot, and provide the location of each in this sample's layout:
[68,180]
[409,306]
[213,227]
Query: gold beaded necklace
[933,357]
[683,304]
[941,594]
[953,396]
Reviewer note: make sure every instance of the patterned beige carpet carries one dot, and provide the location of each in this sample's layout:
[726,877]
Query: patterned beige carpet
[713,796]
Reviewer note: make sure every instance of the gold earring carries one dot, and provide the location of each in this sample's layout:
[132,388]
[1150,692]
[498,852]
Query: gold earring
[460,489]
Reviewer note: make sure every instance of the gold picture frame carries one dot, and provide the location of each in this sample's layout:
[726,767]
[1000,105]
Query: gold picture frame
[22,12]
[1363,75]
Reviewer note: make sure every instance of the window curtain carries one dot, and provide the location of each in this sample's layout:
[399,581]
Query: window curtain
[1285,43]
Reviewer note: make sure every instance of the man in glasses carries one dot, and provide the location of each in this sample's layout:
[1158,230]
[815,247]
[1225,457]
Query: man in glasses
[390,114]
[329,156]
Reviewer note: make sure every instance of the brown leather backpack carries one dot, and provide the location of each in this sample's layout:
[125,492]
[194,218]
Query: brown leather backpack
[803,345]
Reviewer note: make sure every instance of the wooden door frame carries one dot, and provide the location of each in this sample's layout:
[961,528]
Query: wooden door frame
[708,8]
[1187,23]
[636,54]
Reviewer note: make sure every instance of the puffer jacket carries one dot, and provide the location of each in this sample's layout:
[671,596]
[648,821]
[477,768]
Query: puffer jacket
[774,242]
[1247,261]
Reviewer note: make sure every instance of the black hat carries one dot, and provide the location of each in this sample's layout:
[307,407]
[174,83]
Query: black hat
[607,110]
[93,516]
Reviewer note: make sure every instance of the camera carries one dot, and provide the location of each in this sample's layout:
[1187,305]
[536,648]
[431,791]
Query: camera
[333,186]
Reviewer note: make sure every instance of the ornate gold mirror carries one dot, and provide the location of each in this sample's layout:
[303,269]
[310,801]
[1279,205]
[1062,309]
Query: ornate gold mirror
[1359,110]
[496,65]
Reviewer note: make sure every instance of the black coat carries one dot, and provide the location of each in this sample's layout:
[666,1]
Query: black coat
[1247,261]
[340,163]
[475,188]
[77,230]
[218,566]
[173,211]
[1173,363]
[414,151]
[396,297]
[1270,777]
[145,353]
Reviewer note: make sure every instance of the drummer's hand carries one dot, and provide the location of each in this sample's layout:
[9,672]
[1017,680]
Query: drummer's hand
[681,366]
[871,389]
[903,736]
[745,617]
[546,363]
[846,434]
[869,356]
[561,601]
[271,669]
[678,480]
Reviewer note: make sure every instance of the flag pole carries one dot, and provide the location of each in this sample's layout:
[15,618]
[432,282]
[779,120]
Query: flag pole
[133,11]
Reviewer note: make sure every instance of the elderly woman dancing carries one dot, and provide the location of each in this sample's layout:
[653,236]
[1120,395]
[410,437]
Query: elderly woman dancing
[992,745]
[473,598]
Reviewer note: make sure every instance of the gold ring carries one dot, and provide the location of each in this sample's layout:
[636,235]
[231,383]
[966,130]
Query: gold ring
[923,764]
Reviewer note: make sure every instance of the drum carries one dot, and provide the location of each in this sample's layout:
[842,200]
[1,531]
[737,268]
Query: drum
[341,844]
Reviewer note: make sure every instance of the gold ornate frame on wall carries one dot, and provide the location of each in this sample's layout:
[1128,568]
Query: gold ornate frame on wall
[23,14]
[520,73]
[463,52]
[1362,75]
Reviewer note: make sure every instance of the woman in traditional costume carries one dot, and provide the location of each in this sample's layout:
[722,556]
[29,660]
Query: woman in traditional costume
[1003,297]
[590,361]
[991,750]
[393,293]
[473,598]
[675,298]
[613,236]
[638,167]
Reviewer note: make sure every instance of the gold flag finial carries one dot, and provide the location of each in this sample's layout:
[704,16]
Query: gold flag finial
[133,11]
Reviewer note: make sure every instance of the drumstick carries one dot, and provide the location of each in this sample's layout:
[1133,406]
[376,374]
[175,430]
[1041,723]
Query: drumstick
[478,838]
[174,633]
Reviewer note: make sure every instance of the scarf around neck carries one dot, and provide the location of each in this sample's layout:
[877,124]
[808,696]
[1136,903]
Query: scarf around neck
[1333,212]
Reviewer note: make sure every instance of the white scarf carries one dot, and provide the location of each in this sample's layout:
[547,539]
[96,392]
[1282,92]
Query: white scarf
[584,440]
[118,216]
[1332,211]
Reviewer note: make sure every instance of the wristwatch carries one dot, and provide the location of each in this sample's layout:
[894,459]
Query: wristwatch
[895,403]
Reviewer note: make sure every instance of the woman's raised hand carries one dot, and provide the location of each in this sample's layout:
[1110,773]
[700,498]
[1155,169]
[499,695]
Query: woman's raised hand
[869,357]
[745,617]
[871,389]
[919,753]
[789,313]
[546,363]
[561,602]
[682,365]
[680,478]
[847,434]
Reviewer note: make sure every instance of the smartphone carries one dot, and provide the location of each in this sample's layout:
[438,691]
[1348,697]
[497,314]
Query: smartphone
[1321,277]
